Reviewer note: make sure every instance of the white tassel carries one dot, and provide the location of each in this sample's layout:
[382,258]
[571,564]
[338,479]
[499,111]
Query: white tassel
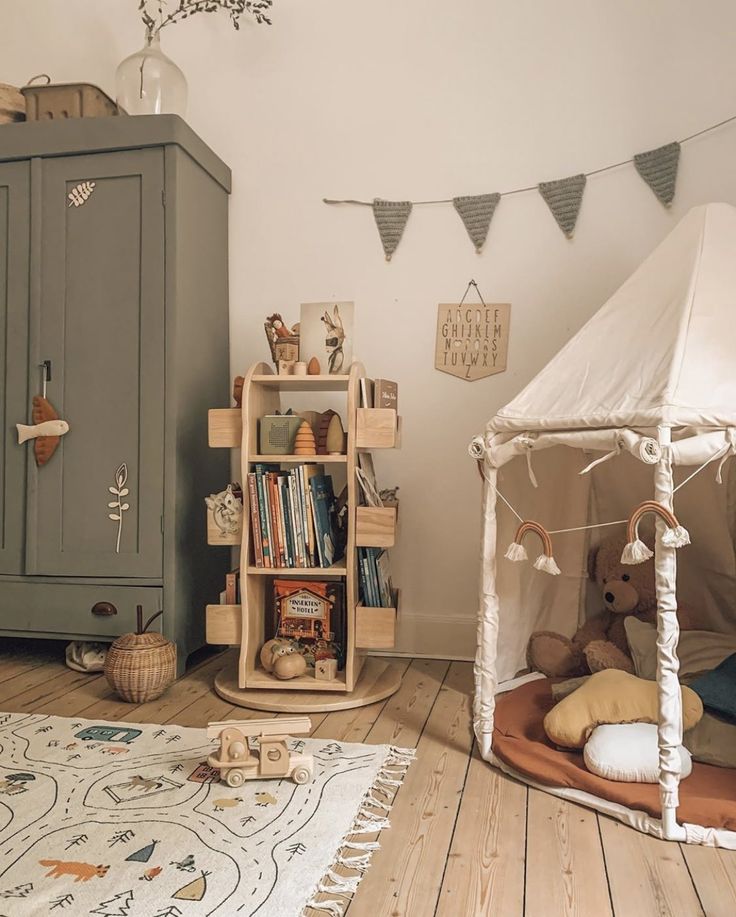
[677,537]
[358,862]
[341,885]
[636,552]
[370,799]
[369,825]
[362,845]
[516,552]
[335,908]
[546,563]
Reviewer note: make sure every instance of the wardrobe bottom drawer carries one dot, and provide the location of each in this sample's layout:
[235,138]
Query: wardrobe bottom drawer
[45,609]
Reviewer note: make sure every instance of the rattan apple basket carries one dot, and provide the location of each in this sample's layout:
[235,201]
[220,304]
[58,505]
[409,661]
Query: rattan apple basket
[141,666]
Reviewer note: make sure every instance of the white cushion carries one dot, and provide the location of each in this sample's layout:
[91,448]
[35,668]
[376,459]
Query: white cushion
[698,650]
[628,752]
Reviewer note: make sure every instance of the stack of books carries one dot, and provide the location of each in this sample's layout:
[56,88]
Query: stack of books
[293,517]
[376,589]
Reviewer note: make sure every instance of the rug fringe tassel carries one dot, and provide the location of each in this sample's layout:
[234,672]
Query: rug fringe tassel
[340,888]
[362,845]
[335,908]
[361,862]
[341,885]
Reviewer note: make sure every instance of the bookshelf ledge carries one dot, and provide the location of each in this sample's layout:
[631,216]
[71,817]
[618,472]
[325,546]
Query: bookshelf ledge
[334,570]
[297,459]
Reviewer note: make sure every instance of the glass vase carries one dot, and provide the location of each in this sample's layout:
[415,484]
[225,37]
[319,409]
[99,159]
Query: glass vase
[150,83]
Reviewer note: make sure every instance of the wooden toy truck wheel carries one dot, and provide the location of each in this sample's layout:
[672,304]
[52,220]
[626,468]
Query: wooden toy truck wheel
[302,774]
[235,778]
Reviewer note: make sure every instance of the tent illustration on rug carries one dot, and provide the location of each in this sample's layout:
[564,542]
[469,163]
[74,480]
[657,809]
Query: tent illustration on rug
[194,890]
[648,384]
[143,855]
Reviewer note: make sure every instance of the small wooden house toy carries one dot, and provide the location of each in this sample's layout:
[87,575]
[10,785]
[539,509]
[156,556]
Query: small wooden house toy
[237,762]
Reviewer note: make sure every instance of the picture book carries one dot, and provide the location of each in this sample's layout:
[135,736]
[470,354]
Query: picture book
[385,394]
[312,613]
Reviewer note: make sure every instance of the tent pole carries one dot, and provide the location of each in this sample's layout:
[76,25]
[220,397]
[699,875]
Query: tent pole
[669,727]
[484,669]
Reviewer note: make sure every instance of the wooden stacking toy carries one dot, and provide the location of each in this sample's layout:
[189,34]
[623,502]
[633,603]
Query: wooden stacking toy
[305,443]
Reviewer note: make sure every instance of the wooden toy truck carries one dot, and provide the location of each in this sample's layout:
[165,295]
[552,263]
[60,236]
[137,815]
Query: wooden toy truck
[237,762]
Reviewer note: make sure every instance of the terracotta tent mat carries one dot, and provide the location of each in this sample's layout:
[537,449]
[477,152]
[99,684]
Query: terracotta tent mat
[707,796]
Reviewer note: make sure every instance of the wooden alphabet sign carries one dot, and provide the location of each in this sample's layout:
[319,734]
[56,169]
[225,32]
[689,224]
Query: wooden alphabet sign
[472,339]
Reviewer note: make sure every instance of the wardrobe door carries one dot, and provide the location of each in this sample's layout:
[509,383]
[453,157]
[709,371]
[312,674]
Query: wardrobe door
[96,506]
[14,258]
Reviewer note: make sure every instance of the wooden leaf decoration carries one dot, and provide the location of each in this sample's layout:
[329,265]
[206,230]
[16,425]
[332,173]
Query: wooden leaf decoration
[81,193]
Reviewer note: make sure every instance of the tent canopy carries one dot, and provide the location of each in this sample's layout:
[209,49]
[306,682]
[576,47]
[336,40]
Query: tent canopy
[649,380]
[660,351]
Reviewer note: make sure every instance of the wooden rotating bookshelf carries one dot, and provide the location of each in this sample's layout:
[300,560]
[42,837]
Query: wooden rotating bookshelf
[363,680]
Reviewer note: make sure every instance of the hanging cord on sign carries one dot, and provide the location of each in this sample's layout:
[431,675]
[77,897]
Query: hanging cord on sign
[527,188]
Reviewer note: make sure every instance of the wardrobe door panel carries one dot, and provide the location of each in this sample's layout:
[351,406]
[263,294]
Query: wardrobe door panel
[97,504]
[14,266]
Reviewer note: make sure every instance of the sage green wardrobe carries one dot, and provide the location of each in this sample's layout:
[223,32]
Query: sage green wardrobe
[114,269]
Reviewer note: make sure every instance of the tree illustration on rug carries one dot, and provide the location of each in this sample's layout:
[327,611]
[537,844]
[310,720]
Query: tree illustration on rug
[61,902]
[117,906]
[20,891]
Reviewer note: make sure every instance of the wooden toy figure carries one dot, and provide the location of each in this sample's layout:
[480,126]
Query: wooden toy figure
[237,762]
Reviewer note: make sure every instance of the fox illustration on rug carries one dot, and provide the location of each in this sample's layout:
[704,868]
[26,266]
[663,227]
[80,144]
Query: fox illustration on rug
[82,872]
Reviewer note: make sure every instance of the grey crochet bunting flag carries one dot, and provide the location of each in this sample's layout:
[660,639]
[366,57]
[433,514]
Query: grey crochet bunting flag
[391,217]
[476,212]
[564,197]
[658,168]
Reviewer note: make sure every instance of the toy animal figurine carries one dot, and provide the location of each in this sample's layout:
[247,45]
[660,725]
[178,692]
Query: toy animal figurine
[238,383]
[283,342]
[237,762]
[334,340]
[227,510]
[281,658]
[47,429]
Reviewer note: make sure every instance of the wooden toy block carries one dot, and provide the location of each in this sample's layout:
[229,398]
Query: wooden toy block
[325,669]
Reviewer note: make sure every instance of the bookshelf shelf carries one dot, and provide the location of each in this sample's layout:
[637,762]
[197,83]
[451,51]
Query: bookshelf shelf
[321,383]
[296,459]
[362,680]
[334,570]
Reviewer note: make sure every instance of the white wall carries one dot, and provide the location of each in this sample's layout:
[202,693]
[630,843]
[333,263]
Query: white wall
[417,99]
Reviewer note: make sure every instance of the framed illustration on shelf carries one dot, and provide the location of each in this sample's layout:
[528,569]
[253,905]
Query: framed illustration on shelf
[326,334]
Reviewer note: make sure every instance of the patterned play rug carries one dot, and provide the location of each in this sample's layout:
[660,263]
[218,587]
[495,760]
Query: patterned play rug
[127,820]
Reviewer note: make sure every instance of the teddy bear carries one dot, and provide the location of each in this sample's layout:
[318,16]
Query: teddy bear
[600,643]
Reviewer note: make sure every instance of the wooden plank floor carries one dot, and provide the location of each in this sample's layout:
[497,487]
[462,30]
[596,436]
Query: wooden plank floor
[465,839]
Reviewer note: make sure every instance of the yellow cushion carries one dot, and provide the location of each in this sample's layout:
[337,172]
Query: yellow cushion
[611,696]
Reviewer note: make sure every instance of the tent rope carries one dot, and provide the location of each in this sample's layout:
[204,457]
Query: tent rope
[476,446]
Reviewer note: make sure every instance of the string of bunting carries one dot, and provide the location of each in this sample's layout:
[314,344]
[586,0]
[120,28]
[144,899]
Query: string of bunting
[564,196]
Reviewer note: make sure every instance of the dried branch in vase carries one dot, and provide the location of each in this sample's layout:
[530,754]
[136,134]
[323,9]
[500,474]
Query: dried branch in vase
[157,14]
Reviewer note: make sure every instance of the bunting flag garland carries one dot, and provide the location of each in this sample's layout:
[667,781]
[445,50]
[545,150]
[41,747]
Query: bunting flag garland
[658,168]
[564,197]
[391,218]
[476,212]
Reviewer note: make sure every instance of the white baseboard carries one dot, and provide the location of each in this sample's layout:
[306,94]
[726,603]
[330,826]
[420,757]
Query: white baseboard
[434,637]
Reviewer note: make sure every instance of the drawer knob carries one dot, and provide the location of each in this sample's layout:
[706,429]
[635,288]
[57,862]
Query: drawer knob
[104,609]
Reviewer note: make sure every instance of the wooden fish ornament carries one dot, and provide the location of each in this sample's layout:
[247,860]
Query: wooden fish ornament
[46,430]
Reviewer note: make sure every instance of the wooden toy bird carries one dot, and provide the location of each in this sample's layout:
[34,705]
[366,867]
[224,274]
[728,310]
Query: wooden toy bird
[47,429]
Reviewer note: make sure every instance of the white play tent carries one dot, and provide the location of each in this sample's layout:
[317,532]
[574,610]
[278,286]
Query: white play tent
[649,383]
